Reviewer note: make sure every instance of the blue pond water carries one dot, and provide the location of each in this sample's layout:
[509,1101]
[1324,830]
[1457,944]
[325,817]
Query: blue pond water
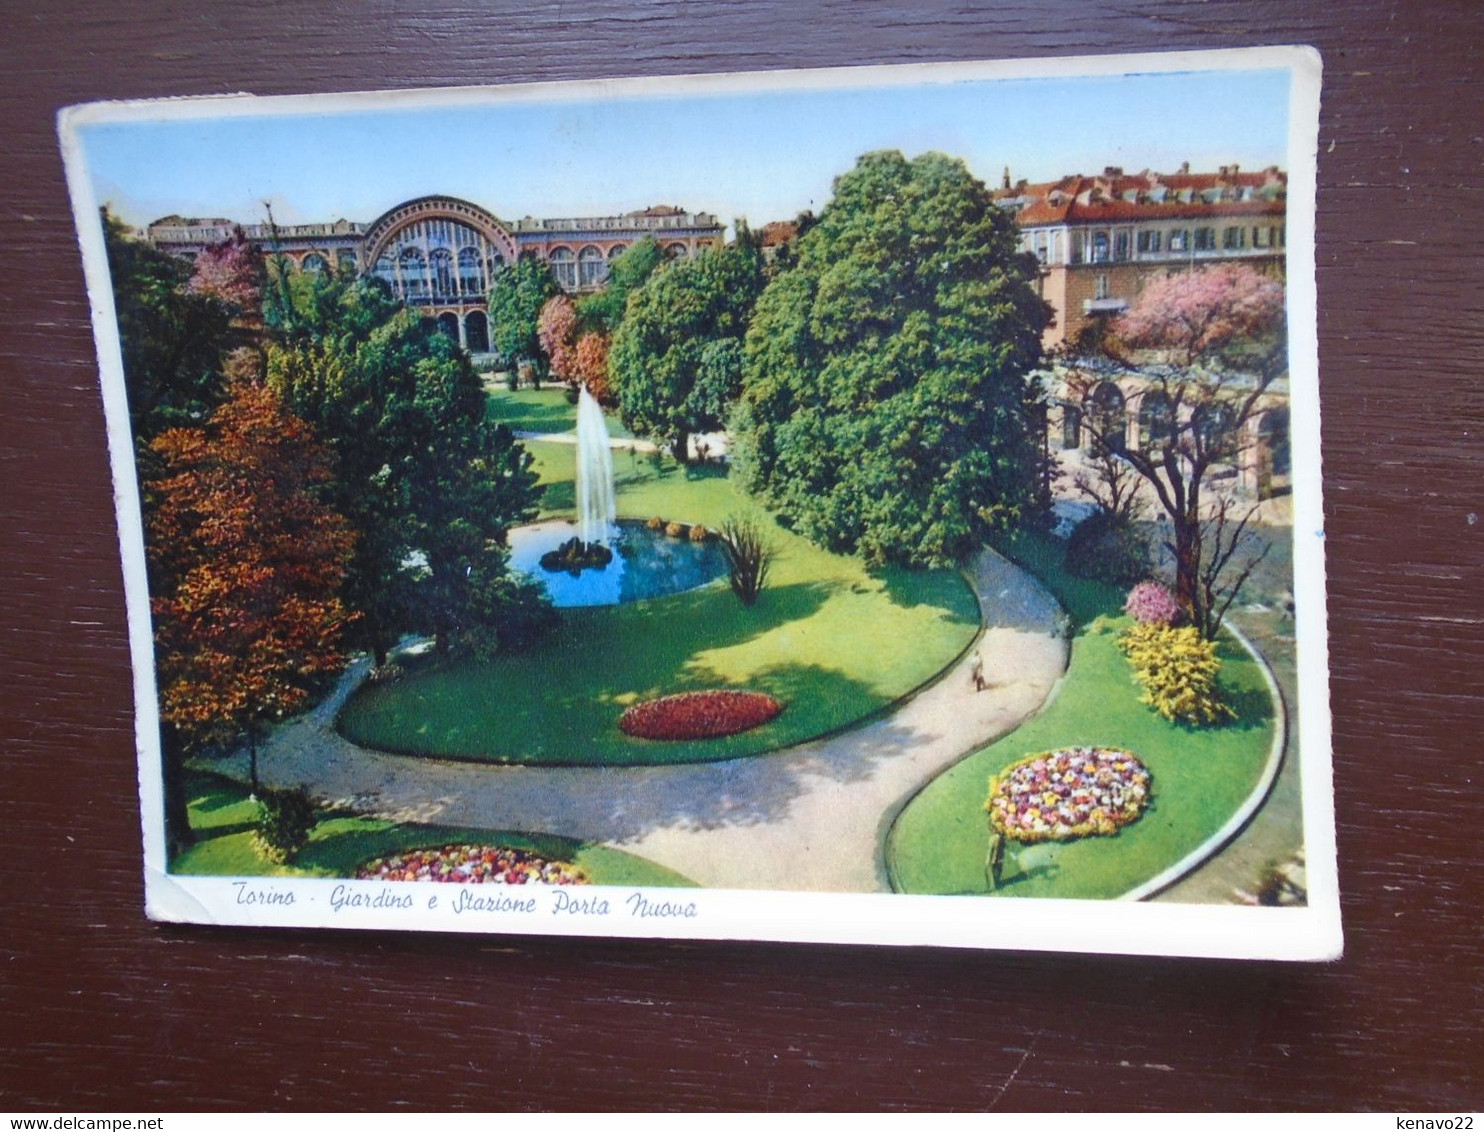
[645,564]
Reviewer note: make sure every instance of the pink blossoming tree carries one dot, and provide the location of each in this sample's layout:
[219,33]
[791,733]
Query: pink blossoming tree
[556,327]
[1205,347]
[231,271]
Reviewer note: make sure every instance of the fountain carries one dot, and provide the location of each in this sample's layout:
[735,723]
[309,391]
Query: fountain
[599,560]
[596,510]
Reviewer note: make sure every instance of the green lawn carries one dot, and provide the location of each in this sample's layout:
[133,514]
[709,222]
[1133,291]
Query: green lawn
[832,640]
[223,817]
[542,410]
[1199,776]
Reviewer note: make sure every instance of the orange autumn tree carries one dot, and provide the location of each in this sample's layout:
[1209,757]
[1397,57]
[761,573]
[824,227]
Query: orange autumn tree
[246,566]
[591,365]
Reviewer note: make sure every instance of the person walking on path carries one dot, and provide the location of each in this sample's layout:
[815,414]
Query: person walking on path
[976,671]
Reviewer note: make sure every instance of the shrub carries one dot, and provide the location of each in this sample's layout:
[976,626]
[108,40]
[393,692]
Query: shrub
[698,715]
[699,533]
[749,558]
[284,824]
[655,524]
[512,379]
[1150,603]
[677,530]
[1177,668]
[1109,548]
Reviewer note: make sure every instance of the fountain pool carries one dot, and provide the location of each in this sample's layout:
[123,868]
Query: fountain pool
[645,564]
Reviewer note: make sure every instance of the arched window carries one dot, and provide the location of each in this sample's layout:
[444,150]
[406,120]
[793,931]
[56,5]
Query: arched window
[1105,412]
[1071,428]
[1272,429]
[675,251]
[440,267]
[471,281]
[591,268]
[1212,425]
[564,268]
[1099,247]
[315,263]
[437,259]
[386,271]
[448,322]
[616,250]
[1156,421]
[413,270]
[477,332]
[345,261]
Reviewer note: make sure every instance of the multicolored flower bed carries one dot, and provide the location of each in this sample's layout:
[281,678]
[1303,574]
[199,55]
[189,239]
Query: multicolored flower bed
[698,715]
[1074,792]
[471,864]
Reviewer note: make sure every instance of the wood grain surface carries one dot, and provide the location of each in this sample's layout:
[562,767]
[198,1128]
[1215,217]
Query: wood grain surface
[104,1010]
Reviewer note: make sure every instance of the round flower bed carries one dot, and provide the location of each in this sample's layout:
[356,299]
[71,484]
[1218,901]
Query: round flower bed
[1074,792]
[698,715]
[471,864]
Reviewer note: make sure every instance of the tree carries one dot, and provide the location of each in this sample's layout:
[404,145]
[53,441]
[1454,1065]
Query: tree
[556,329]
[429,484]
[590,362]
[604,310]
[518,291]
[246,567]
[469,483]
[1207,345]
[676,359]
[173,337]
[887,408]
[233,272]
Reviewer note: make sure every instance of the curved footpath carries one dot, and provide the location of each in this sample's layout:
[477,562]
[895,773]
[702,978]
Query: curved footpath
[811,817]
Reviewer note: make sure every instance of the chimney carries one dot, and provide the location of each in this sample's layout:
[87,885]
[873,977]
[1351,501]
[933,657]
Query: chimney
[1184,167]
[1113,171]
[1005,183]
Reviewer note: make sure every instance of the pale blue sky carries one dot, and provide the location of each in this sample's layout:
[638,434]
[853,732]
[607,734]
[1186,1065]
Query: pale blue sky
[761,155]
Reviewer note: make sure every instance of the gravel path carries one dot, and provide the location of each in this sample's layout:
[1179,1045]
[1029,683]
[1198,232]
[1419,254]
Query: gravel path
[811,817]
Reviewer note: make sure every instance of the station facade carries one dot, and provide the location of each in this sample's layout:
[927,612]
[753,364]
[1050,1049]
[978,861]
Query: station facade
[438,254]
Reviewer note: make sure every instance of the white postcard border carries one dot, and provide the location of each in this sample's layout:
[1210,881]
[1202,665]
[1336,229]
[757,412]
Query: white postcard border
[1301,933]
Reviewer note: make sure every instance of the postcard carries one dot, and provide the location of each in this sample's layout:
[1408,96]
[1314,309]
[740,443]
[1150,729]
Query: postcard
[873,505]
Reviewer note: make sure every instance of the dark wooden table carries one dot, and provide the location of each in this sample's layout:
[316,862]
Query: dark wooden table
[107,1011]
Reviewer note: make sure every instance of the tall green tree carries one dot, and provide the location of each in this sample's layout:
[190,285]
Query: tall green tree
[676,360]
[603,310]
[430,485]
[174,337]
[518,291]
[887,409]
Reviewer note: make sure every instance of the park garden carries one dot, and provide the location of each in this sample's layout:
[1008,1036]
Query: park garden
[727,511]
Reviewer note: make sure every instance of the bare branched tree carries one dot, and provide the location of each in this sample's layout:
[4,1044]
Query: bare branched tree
[1207,347]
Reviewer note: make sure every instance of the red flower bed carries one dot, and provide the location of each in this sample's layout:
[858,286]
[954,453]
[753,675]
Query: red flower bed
[471,864]
[698,715]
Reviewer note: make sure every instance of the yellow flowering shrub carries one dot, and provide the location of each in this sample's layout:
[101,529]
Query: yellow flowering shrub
[1178,670]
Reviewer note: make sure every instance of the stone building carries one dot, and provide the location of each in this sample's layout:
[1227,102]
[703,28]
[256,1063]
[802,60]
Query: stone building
[1101,238]
[439,253]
